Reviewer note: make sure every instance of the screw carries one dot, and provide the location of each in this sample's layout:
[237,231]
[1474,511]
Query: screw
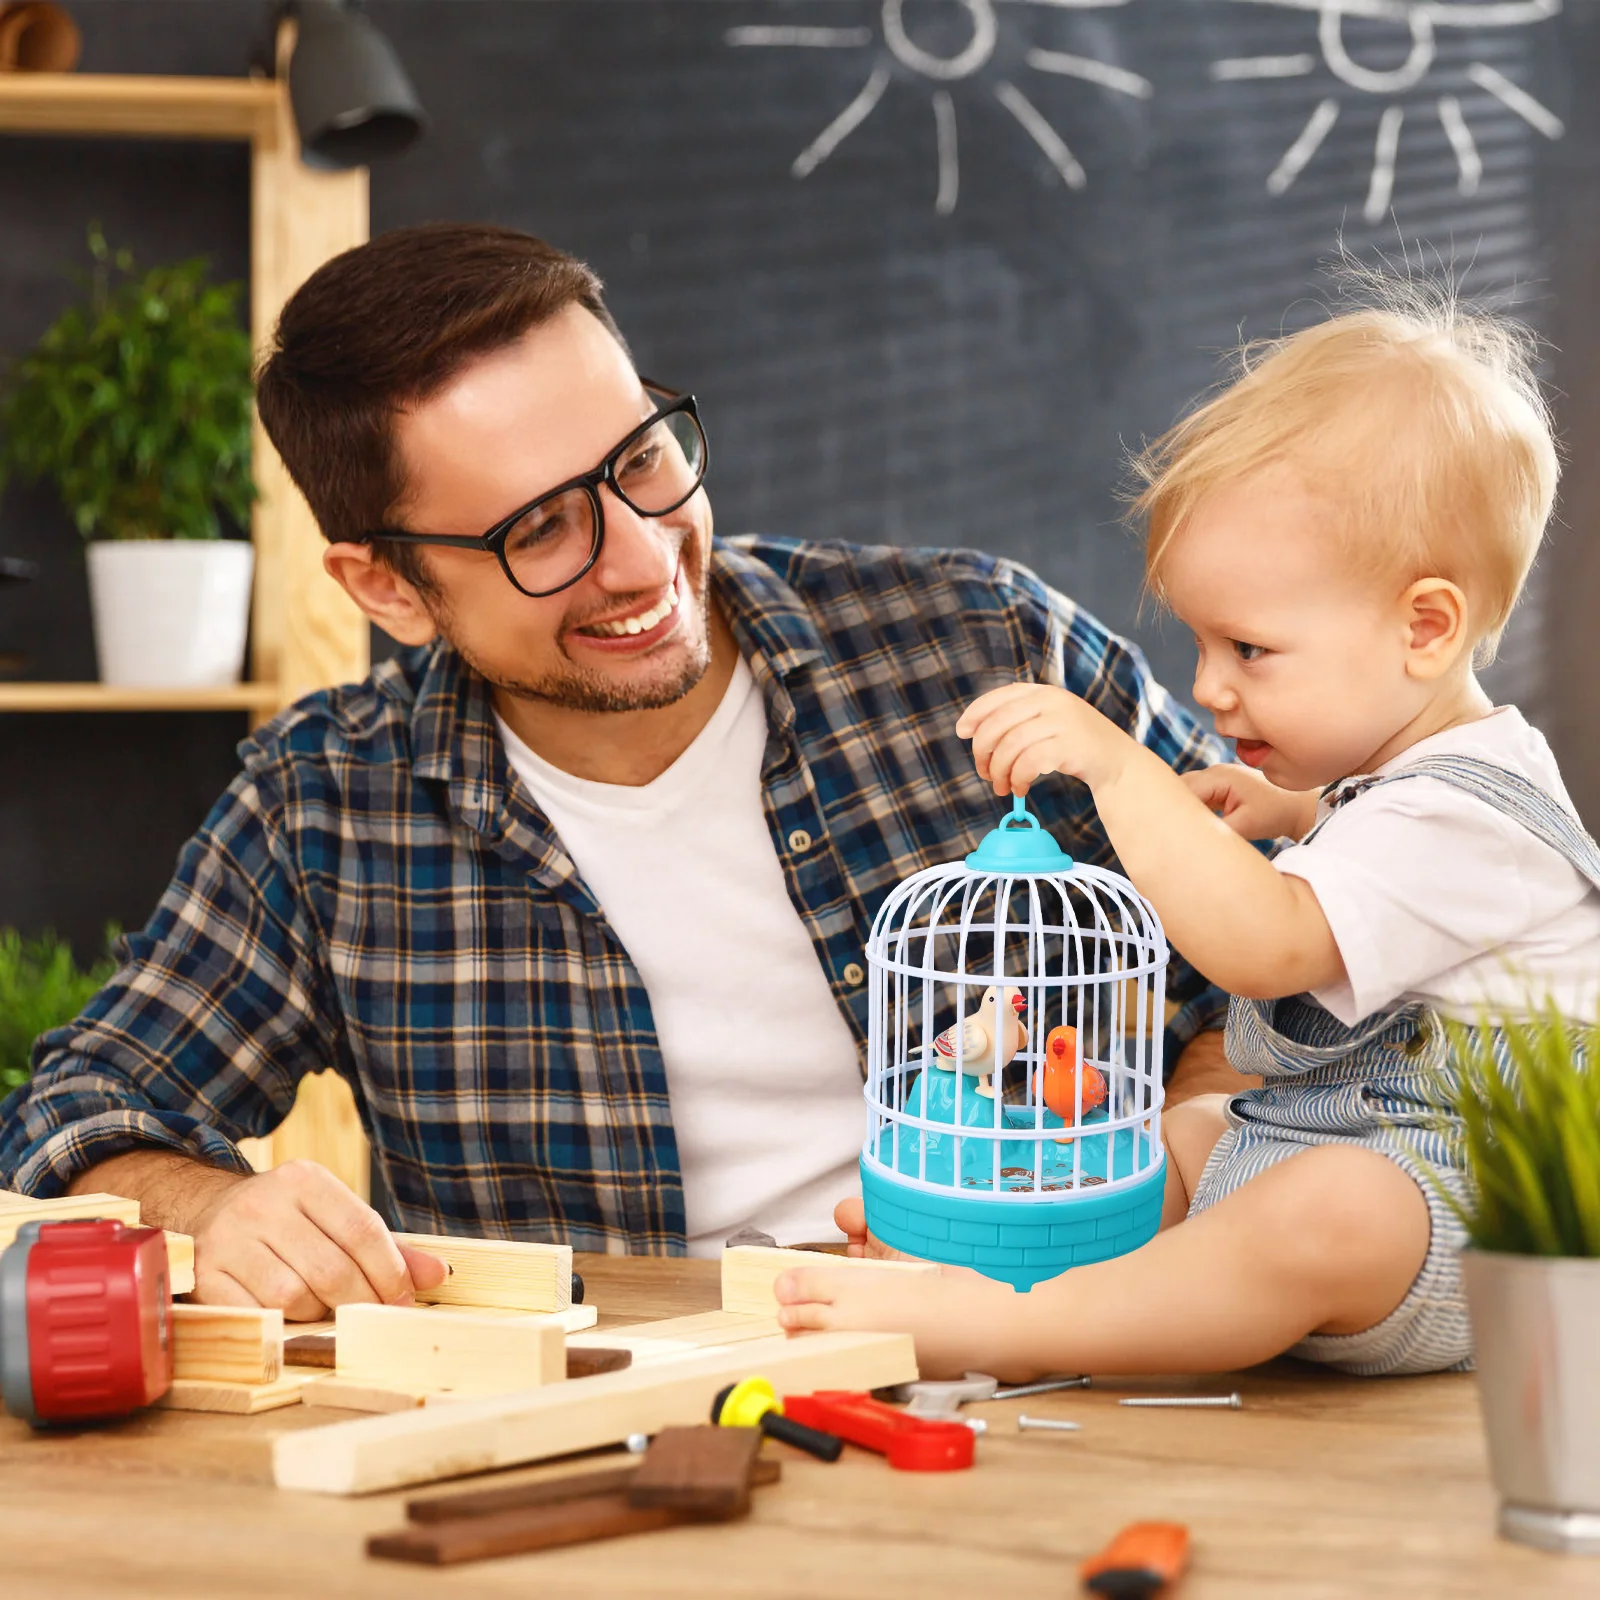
[1045,1387]
[638,1443]
[1220,1402]
[1046,1424]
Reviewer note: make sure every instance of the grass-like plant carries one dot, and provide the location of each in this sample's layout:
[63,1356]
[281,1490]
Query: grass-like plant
[41,987]
[1530,1132]
[136,405]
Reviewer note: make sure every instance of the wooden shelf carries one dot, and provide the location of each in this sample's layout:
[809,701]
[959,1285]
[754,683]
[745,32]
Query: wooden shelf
[103,697]
[154,108]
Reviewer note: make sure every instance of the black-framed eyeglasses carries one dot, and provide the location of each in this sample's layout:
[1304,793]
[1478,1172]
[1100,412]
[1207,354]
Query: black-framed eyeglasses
[546,545]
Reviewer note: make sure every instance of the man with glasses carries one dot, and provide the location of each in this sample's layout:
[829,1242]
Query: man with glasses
[573,892]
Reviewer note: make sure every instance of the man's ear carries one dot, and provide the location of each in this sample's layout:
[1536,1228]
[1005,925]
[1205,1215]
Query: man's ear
[386,597]
[1434,614]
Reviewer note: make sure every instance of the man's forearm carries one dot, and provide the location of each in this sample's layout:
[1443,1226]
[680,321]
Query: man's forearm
[173,1191]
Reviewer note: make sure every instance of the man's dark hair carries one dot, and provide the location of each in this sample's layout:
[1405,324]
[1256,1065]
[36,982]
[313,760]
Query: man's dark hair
[384,326]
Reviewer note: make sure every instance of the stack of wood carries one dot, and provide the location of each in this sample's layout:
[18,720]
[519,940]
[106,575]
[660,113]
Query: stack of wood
[693,1474]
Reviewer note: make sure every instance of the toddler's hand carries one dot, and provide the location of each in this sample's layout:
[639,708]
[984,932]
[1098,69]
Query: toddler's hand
[1025,730]
[1253,806]
[961,1321]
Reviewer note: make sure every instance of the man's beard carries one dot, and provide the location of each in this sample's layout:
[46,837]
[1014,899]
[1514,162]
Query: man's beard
[578,689]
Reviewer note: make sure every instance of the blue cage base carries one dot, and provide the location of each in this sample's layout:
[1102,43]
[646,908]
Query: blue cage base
[1023,1241]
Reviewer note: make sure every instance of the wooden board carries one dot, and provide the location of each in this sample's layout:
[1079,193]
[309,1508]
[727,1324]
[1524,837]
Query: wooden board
[16,1209]
[418,1349]
[237,1344]
[358,1394]
[478,1435]
[498,1272]
[180,1263]
[575,1319]
[750,1270]
[238,1399]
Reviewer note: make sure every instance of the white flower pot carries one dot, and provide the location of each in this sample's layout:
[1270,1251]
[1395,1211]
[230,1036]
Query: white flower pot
[1534,1322]
[170,613]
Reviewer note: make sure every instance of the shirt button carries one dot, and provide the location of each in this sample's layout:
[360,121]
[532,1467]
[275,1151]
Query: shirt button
[799,840]
[853,974]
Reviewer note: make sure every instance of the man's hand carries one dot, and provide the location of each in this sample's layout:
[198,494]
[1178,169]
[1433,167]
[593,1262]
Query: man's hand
[1253,806]
[294,1237]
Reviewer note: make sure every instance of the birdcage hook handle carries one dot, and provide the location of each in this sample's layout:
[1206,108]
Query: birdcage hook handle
[1019,813]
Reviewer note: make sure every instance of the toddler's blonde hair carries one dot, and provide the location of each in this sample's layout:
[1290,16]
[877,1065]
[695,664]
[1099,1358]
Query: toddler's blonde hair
[1422,423]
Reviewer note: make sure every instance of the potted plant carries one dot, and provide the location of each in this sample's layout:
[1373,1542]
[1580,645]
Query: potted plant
[136,406]
[1532,1267]
[40,988]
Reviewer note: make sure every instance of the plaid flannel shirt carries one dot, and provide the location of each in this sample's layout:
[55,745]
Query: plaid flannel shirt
[376,893]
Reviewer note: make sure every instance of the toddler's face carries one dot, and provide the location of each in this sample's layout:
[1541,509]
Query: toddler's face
[1302,655]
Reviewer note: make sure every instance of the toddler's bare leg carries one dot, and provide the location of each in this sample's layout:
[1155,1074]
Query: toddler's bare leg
[1324,1242]
[1190,1132]
[1328,1241]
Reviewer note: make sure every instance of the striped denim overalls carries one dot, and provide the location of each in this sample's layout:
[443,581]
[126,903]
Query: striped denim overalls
[1377,1084]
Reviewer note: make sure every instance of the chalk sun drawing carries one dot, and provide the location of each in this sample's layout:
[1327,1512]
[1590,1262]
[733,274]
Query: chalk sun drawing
[1422,19]
[943,70]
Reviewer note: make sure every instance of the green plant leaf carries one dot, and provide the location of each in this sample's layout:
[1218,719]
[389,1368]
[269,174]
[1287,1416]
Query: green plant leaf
[41,988]
[1524,1090]
[137,404]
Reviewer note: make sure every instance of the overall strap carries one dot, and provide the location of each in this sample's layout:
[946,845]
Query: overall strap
[1507,792]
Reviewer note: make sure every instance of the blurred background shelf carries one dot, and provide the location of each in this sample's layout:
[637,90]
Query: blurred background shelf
[258,697]
[305,633]
[139,107]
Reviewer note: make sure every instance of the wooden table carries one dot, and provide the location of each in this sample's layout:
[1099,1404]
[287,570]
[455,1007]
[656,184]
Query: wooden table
[1321,1486]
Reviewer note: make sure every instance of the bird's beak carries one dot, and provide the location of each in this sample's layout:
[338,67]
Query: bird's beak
[1018,1004]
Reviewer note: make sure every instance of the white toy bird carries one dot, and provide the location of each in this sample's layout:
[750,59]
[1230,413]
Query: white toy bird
[977,1035]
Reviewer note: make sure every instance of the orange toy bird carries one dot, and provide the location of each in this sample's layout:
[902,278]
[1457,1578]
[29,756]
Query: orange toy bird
[1061,1077]
[977,1035]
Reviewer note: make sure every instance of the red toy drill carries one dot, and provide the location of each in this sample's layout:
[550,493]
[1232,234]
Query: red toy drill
[85,1333]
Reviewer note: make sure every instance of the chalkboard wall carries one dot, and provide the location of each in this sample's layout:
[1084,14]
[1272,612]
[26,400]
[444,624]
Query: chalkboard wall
[920,302]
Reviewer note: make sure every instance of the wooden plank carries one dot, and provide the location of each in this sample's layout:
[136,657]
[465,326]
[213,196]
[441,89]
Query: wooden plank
[180,1263]
[549,1492]
[574,1320]
[512,1533]
[147,107]
[237,1399]
[16,1209]
[479,1435]
[498,1272]
[239,1344]
[412,1348]
[750,1270]
[358,1394]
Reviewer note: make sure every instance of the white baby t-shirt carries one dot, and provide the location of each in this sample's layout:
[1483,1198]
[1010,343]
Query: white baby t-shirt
[762,1069]
[1435,896]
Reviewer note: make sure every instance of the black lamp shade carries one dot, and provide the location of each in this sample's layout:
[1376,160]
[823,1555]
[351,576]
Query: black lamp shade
[353,103]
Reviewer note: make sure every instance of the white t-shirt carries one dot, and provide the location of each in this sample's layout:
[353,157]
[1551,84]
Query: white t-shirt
[762,1069]
[1433,895]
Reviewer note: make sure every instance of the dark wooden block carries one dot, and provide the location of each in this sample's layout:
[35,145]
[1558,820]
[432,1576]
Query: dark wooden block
[704,1471]
[510,1533]
[590,1362]
[309,1350]
[548,1492]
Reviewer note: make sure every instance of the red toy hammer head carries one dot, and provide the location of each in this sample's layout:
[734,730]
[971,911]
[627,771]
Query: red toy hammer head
[85,1332]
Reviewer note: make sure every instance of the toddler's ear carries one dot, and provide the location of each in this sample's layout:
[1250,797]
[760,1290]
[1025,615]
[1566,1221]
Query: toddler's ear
[1435,617]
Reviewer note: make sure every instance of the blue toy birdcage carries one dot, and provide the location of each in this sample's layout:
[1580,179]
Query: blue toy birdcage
[1016,1006]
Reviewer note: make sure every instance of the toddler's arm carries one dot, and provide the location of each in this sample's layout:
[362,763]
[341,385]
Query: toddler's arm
[1250,929]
